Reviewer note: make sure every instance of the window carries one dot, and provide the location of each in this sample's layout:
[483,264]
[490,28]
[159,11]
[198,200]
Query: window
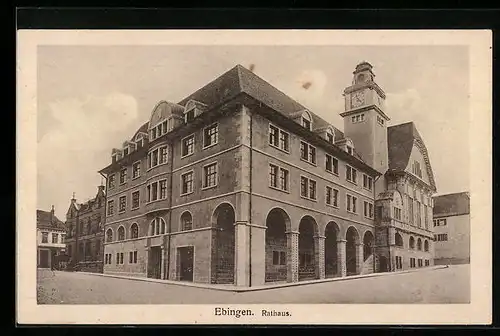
[427,262]
[278,177]
[111,207]
[367,182]
[186,221]
[62,238]
[123,176]
[419,215]
[45,237]
[119,258]
[442,237]
[380,120]
[307,152]
[187,146]
[210,175]
[163,189]
[398,240]
[122,203]
[121,233]
[420,263]
[412,262]
[440,222]
[125,151]
[307,188]
[368,209]
[331,164]
[426,245]
[305,259]
[279,258]
[350,174]
[111,181]
[412,243]
[329,136]
[349,150]
[157,156]
[157,226]
[134,231]
[136,169]
[332,196]
[210,135]
[306,123]
[187,183]
[279,138]
[397,213]
[351,203]
[54,238]
[132,257]
[135,199]
[410,210]
[416,169]
[358,118]
[419,244]
[189,115]
[109,236]
[399,262]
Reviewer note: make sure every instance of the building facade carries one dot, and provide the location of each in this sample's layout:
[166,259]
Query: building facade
[85,231]
[238,183]
[50,239]
[452,228]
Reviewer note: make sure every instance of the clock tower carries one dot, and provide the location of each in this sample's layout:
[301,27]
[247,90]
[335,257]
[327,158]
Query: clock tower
[365,122]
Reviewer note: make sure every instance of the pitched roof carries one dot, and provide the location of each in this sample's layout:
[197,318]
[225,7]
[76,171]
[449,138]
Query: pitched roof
[47,220]
[241,80]
[452,204]
[400,140]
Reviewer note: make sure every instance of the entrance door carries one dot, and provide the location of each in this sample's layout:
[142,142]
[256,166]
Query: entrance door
[154,266]
[186,255]
[44,259]
[383,264]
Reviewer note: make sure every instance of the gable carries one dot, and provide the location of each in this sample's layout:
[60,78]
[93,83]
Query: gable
[416,162]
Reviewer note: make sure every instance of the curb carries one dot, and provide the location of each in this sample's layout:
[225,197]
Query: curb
[234,289]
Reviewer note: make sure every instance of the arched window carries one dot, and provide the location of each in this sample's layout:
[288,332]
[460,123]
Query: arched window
[330,135]
[186,221]
[412,243]
[426,245]
[306,120]
[157,227]
[109,236]
[399,240]
[419,244]
[134,231]
[121,233]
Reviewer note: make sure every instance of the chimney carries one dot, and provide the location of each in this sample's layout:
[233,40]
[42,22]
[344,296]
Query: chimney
[52,215]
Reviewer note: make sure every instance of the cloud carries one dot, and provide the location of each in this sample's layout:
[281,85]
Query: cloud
[79,144]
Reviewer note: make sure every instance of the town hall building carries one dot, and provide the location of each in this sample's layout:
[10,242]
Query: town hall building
[240,184]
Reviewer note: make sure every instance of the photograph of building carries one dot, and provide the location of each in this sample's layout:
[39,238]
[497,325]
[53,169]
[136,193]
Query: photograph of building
[84,233]
[50,233]
[238,183]
[452,228]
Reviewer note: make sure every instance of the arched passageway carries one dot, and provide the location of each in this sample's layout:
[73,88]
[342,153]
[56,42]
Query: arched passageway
[308,249]
[223,244]
[367,245]
[277,222]
[331,259]
[352,237]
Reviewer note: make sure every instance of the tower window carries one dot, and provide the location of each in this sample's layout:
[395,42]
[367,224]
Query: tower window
[380,120]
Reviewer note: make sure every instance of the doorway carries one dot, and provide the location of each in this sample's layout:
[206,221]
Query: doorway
[44,259]
[185,262]
[383,264]
[154,264]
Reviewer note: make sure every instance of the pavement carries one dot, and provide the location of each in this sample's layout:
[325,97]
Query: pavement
[431,285]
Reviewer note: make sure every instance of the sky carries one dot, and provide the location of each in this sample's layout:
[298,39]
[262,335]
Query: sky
[91,99]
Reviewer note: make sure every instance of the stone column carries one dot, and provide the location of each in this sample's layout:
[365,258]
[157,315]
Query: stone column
[359,258]
[292,262]
[241,246]
[319,255]
[163,262]
[341,257]
[258,254]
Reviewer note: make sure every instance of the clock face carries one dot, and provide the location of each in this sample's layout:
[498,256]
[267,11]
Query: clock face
[357,99]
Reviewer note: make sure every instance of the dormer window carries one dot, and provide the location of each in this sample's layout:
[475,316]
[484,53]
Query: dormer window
[330,137]
[349,149]
[192,110]
[306,120]
[189,115]
[125,151]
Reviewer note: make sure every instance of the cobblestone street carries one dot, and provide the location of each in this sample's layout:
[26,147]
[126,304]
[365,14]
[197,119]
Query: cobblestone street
[448,285]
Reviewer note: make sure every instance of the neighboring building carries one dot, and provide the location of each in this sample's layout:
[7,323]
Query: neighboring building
[50,239]
[452,228]
[84,238]
[238,183]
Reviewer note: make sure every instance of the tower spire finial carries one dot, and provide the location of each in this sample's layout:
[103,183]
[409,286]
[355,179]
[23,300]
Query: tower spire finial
[73,195]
